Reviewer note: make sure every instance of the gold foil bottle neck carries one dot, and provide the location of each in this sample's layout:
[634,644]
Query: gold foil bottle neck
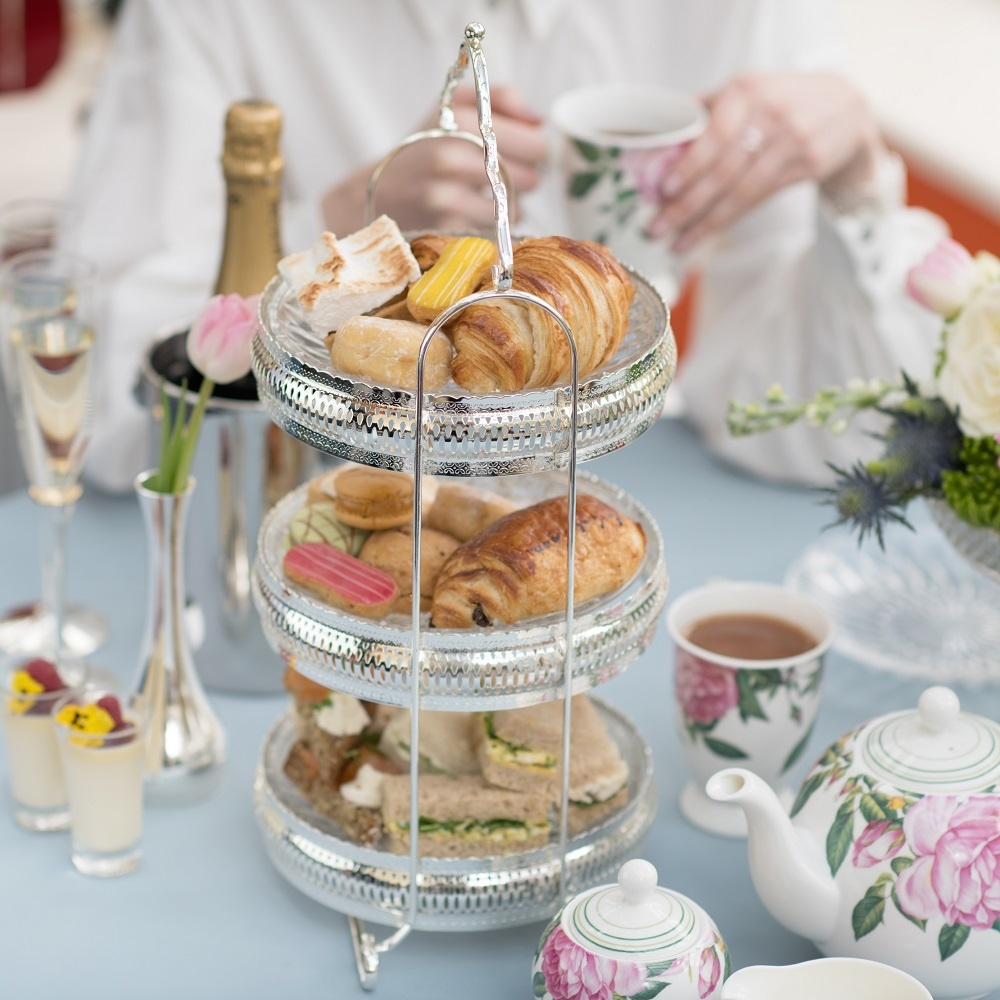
[252,140]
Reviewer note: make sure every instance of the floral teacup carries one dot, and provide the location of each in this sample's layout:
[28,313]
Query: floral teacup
[751,697]
[620,141]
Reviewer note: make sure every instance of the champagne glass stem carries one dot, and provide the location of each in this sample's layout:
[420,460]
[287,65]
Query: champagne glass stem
[55,521]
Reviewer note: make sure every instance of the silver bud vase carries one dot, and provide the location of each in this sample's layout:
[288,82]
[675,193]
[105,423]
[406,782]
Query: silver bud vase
[185,743]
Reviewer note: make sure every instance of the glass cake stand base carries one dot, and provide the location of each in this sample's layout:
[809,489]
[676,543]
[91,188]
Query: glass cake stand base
[919,608]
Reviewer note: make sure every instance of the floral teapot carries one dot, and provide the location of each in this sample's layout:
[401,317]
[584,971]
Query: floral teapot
[892,848]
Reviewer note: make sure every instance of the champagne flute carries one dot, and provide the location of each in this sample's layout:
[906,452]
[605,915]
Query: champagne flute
[47,303]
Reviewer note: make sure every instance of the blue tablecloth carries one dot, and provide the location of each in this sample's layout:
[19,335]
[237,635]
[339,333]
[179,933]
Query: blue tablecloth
[206,916]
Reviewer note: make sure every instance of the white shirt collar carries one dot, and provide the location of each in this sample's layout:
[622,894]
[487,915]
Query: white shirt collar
[435,17]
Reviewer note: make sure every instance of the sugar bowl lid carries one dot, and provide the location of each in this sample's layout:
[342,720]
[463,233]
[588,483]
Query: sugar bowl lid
[937,748]
[636,919]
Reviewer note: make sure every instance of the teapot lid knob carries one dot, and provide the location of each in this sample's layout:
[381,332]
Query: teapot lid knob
[637,880]
[939,709]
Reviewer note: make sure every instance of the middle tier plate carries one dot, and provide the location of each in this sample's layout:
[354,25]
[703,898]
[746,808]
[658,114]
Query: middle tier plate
[506,666]
[465,435]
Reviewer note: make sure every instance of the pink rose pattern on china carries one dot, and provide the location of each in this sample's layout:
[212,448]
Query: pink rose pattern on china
[570,972]
[956,869]
[706,693]
[648,169]
[936,858]
[879,841]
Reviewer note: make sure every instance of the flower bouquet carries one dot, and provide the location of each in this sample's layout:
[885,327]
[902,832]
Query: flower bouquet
[940,440]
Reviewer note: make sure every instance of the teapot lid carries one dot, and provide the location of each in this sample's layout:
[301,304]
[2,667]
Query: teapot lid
[937,748]
[636,919]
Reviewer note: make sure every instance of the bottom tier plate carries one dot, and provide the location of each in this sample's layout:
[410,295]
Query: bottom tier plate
[454,894]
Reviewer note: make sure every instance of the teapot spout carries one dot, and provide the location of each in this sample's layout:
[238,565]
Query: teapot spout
[788,870]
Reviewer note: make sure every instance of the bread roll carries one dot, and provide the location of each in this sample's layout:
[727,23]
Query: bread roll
[464,511]
[384,352]
[504,345]
[392,552]
[516,568]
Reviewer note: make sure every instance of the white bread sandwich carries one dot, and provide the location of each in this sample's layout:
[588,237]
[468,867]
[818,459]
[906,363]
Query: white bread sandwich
[521,749]
[464,817]
[447,741]
[336,279]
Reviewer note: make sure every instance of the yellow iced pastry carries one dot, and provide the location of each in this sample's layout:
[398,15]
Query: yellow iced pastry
[460,270]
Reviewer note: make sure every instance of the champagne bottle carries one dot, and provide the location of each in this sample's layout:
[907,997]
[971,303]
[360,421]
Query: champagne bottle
[252,166]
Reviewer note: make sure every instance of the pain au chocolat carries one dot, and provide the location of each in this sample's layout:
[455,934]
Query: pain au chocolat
[516,568]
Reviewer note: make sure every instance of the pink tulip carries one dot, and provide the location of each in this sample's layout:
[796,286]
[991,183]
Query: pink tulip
[218,344]
[944,280]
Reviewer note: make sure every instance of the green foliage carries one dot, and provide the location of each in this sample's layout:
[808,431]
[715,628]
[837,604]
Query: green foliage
[973,490]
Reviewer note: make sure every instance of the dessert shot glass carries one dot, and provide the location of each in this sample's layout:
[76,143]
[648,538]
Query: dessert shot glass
[32,686]
[748,672]
[102,750]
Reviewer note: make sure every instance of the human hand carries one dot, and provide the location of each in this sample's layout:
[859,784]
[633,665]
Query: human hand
[440,183]
[766,131]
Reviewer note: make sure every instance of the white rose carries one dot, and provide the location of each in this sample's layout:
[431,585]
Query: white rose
[970,378]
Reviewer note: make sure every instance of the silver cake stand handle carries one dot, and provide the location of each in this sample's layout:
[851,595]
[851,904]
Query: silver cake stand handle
[366,948]
[500,183]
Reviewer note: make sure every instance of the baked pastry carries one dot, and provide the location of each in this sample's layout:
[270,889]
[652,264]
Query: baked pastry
[385,351]
[336,279]
[392,552]
[340,580]
[516,568]
[504,345]
[459,270]
[318,522]
[374,499]
[464,511]
[427,248]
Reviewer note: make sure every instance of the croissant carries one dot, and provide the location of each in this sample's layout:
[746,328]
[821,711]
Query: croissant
[505,345]
[516,568]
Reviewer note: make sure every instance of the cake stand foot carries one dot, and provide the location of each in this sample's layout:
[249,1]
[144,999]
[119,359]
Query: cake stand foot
[367,950]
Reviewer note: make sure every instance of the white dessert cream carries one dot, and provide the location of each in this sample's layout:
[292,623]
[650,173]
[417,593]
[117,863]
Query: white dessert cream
[105,793]
[36,774]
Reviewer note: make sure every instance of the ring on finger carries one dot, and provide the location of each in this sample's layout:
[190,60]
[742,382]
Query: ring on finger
[752,140]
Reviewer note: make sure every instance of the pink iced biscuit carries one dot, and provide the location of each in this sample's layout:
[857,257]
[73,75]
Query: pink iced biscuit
[341,580]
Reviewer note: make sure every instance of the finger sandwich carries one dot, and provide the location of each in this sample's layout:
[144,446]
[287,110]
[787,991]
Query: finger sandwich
[464,817]
[521,749]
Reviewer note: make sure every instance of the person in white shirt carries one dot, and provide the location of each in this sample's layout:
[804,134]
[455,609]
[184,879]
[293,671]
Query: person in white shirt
[789,202]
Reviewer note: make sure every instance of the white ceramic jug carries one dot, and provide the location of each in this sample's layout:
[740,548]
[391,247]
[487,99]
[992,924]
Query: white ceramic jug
[823,979]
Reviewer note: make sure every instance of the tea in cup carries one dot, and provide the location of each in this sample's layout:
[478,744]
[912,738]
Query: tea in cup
[619,143]
[748,671]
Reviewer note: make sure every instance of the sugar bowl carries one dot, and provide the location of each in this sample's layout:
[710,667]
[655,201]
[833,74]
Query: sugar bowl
[630,940]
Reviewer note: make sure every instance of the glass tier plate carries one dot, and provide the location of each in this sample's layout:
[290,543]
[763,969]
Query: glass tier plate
[505,666]
[472,435]
[917,609]
[455,894]
[980,546]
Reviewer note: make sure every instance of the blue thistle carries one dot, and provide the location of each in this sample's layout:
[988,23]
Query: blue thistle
[923,440]
[865,500]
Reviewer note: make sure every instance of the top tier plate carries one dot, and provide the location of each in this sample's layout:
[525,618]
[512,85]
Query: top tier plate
[471,435]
